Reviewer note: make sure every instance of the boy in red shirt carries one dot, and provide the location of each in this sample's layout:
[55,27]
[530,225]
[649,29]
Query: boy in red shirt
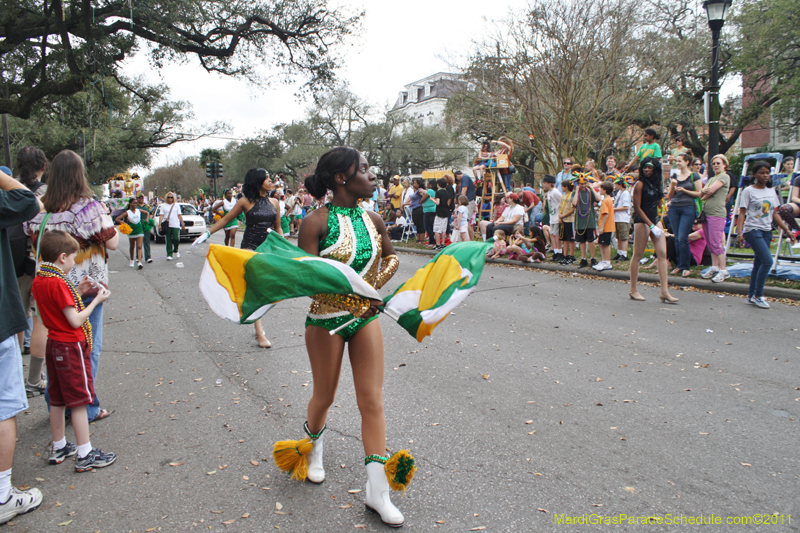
[69,346]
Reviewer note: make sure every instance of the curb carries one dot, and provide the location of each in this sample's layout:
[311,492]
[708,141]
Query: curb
[731,288]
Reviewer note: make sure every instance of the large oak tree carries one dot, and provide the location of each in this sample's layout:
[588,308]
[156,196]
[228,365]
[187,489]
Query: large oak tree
[51,48]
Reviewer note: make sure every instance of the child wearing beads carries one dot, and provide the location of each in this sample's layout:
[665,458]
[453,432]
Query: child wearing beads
[69,346]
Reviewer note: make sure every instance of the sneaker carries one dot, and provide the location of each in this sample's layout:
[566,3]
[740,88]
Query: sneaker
[570,259]
[140,265]
[35,390]
[57,456]
[94,459]
[131,265]
[721,276]
[622,258]
[616,257]
[796,246]
[750,301]
[178,255]
[643,260]
[603,265]
[149,260]
[169,258]
[584,263]
[760,302]
[594,261]
[710,273]
[19,502]
[558,257]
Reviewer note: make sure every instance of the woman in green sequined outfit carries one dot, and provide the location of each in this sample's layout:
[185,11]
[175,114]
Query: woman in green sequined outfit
[342,231]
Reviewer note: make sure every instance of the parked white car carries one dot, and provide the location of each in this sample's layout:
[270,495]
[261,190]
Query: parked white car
[194,222]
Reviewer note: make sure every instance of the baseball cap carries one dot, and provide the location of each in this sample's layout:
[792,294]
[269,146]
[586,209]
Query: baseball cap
[514,196]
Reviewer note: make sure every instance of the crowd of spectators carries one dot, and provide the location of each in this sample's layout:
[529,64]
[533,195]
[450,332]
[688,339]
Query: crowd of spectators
[686,212]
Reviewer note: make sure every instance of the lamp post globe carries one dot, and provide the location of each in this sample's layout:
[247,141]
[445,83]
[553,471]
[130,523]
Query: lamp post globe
[716,11]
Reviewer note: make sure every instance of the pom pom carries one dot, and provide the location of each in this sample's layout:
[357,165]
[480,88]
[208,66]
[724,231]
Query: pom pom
[148,224]
[291,457]
[217,218]
[126,229]
[400,470]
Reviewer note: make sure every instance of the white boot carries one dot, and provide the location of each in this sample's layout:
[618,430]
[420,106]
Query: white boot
[377,499]
[316,473]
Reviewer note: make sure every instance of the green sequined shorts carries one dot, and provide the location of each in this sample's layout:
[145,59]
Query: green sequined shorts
[332,323]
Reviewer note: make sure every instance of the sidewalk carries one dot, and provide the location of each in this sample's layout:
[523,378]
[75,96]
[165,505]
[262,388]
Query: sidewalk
[703,284]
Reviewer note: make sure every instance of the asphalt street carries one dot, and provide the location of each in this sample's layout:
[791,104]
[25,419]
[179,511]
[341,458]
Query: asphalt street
[545,397]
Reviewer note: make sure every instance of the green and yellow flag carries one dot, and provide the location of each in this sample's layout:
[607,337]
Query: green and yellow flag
[242,285]
[422,302]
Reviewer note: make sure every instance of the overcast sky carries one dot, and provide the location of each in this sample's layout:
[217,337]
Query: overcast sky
[400,42]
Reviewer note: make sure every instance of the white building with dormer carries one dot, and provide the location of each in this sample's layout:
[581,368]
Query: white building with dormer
[425,100]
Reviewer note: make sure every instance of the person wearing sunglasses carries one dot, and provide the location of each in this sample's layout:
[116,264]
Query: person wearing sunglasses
[566,172]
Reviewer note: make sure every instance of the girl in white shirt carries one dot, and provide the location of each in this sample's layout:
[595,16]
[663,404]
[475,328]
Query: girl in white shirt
[461,220]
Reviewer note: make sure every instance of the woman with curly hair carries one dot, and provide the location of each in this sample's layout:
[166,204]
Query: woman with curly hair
[648,195]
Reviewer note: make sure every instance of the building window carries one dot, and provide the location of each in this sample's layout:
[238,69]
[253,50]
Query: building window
[427,89]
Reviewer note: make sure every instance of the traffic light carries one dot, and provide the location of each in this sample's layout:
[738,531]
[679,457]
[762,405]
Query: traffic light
[210,171]
[219,170]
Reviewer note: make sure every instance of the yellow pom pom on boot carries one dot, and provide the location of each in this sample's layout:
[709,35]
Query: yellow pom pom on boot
[400,469]
[291,456]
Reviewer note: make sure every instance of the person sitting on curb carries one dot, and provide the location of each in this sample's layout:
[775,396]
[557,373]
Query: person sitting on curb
[527,250]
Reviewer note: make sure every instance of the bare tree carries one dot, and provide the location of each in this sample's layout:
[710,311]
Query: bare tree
[574,75]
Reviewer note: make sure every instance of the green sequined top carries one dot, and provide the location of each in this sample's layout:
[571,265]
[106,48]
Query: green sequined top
[353,240]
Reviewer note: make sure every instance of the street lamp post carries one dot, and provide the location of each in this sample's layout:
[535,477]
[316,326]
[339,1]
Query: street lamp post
[716,11]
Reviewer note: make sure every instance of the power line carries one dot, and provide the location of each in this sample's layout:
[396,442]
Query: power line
[192,138]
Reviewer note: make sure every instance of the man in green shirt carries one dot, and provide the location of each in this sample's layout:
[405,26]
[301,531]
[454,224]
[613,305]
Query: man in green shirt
[584,202]
[650,148]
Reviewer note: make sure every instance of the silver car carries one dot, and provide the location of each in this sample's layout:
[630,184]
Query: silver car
[194,222]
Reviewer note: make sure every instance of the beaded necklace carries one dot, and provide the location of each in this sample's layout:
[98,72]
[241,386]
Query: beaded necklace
[585,214]
[49,270]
